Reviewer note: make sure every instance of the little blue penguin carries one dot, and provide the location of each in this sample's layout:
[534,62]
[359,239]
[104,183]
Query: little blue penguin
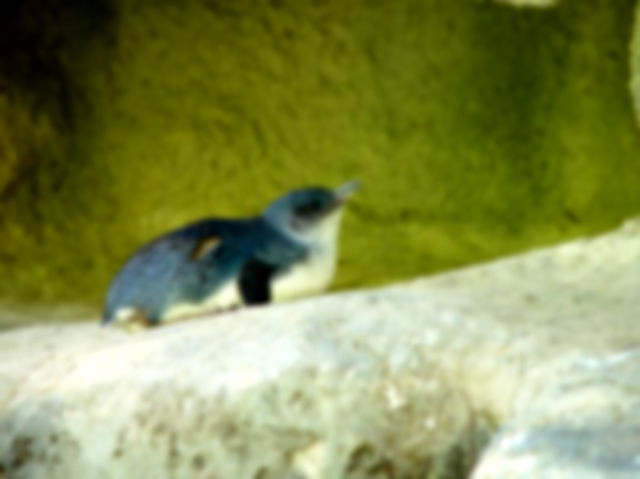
[217,264]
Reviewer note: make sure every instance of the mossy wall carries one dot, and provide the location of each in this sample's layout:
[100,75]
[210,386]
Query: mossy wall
[477,129]
[635,63]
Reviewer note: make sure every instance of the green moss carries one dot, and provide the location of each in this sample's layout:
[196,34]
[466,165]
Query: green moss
[478,130]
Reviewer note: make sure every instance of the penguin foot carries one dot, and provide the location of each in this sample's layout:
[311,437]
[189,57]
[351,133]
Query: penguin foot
[132,320]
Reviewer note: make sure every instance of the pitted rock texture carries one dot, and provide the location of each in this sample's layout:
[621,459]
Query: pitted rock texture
[542,350]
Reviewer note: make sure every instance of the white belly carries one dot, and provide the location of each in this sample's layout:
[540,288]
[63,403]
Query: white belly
[225,297]
[309,277]
[304,279]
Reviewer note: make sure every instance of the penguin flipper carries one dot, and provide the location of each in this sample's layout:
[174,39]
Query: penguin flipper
[255,281]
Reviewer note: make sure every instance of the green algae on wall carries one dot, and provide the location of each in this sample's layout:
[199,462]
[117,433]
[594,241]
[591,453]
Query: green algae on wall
[477,130]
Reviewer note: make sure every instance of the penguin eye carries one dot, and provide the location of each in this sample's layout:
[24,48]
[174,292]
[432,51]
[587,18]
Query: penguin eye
[309,208]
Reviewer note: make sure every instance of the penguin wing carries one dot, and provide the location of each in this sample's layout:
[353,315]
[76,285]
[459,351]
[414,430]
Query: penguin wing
[272,258]
[255,281]
[183,266]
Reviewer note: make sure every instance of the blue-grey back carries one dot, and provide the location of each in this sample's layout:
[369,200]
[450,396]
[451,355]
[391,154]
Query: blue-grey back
[165,271]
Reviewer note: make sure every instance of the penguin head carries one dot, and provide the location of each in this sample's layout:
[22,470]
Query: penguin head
[310,213]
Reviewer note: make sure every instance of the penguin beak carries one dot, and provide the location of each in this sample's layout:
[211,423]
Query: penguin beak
[343,192]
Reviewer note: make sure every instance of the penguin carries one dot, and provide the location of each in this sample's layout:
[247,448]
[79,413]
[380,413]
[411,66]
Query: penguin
[212,265]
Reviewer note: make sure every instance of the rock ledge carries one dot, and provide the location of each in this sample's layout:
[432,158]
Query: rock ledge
[535,357]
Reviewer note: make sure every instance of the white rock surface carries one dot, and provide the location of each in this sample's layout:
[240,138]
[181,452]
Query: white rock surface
[408,381]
